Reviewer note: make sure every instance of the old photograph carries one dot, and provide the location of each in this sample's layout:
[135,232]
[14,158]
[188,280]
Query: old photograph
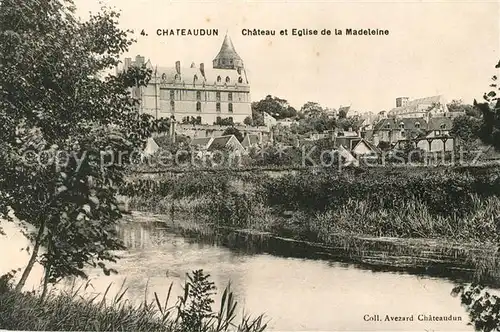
[249,166]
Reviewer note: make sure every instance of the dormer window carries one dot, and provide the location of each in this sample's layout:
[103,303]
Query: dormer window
[417,125]
[163,76]
[388,126]
[195,77]
[443,126]
[401,125]
[240,79]
[228,79]
[176,76]
[219,79]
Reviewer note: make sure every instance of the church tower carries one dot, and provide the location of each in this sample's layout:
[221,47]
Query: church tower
[227,57]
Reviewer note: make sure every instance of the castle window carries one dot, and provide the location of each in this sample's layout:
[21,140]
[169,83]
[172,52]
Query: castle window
[402,125]
[230,96]
[230,108]
[217,107]
[228,79]
[240,79]
[443,126]
[217,96]
[198,119]
[172,106]
[163,76]
[388,126]
[172,94]
[176,76]
[198,106]
[219,79]
[198,95]
[417,125]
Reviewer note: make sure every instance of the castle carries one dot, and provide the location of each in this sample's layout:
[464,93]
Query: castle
[197,94]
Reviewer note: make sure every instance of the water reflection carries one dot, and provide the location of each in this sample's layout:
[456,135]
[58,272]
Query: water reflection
[296,293]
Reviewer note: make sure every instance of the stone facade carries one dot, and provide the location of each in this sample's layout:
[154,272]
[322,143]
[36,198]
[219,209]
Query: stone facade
[196,92]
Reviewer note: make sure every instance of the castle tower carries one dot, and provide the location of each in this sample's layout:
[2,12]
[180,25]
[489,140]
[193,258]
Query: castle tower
[227,57]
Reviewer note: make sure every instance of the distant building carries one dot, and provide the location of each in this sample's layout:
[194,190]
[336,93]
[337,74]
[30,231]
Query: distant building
[204,94]
[269,120]
[419,108]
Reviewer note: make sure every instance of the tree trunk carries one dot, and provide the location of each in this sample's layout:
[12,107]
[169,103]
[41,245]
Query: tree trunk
[45,281]
[48,267]
[33,257]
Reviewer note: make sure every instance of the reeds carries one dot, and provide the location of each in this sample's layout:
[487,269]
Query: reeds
[72,310]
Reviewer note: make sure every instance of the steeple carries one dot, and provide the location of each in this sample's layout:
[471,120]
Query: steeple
[227,57]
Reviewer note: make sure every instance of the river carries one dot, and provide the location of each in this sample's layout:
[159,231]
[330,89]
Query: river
[295,294]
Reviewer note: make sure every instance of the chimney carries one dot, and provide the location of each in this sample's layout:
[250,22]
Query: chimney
[178,67]
[202,69]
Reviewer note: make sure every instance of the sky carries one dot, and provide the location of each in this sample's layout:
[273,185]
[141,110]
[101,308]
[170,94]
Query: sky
[433,47]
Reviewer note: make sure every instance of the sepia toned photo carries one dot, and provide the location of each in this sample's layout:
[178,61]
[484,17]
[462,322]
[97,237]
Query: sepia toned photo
[249,166]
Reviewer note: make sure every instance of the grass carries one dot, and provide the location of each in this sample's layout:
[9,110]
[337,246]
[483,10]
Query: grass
[71,310]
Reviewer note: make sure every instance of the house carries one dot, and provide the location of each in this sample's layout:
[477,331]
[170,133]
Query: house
[151,147]
[228,142]
[357,146]
[392,130]
[286,122]
[251,140]
[269,120]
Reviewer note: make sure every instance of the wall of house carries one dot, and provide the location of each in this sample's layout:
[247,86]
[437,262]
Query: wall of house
[436,145]
[362,149]
[185,98]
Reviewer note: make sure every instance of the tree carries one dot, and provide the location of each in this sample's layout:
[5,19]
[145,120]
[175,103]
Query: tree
[248,121]
[490,109]
[312,109]
[68,131]
[233,131]
[459,106]
[274,106]
[467,129]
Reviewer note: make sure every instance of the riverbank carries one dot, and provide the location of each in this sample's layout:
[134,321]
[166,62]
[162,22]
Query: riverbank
[449,216]
[72,310]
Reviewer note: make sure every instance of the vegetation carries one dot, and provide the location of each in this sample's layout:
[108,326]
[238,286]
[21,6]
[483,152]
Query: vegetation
[73,311]
[442,203]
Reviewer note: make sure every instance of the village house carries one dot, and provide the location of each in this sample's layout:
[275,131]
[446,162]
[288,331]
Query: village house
[208,145]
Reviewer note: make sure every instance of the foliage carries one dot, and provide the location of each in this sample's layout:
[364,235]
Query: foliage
[224,121]
[233,131]
[459,106]
[191,120]
[274,106]
[483,308]
[248,121]
[490,109]
[65,147]
[71,310]
[467,130]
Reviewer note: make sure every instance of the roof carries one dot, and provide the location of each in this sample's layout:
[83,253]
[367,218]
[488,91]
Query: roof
[393,123]
[220,142]
[194,76]
[200,141]
[370,145]
[344,108]
[227,50]
[418,105]
[250,139]
[436,123]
